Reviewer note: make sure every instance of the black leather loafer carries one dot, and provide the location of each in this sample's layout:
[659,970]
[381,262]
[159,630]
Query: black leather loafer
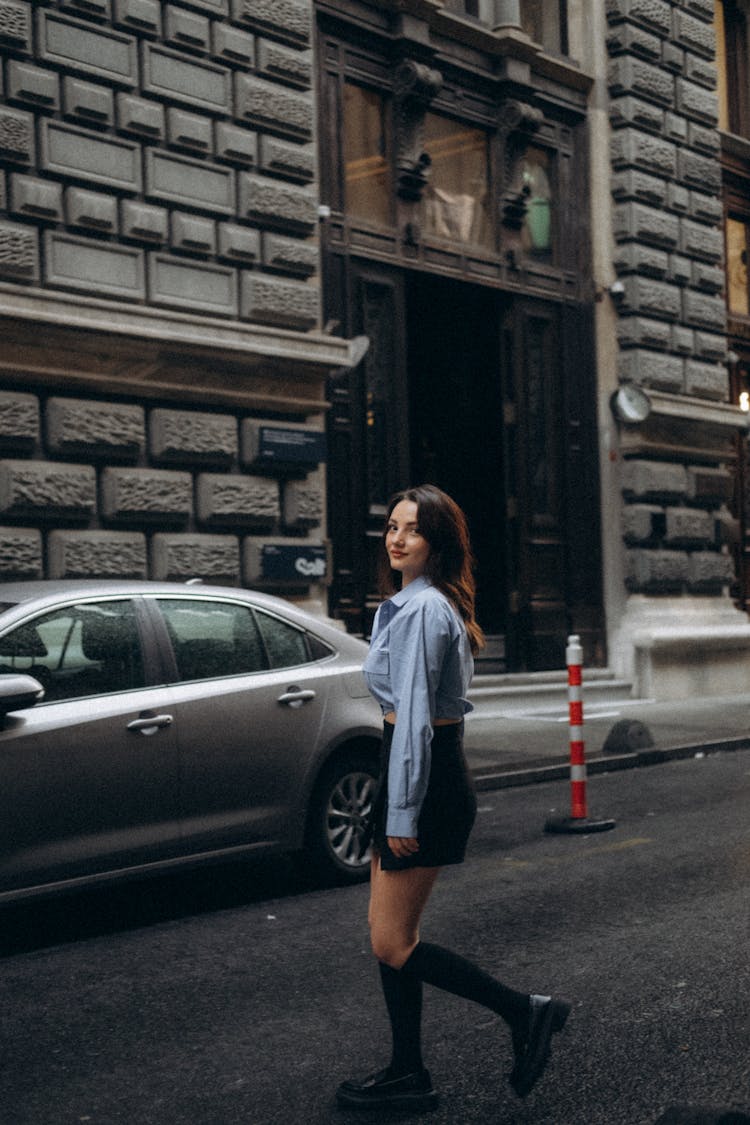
[409,1091]
[546,1017]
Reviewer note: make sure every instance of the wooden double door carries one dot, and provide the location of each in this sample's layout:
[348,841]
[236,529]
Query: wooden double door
[492,398]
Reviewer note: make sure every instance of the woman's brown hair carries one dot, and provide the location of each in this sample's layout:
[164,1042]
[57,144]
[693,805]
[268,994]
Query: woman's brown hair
[450,566]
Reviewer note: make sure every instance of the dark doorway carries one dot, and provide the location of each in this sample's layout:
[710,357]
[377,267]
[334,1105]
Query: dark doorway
[455,418]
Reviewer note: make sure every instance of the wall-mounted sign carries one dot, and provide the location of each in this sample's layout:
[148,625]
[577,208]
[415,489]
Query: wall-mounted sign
[284,563]
[282,446]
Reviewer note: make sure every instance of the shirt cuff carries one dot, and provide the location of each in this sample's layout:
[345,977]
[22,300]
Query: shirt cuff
[401,822]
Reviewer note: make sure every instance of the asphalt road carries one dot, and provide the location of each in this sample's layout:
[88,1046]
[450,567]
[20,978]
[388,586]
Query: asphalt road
[241,996]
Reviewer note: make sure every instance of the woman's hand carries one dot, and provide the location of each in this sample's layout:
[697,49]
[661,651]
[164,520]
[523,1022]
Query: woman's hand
[403,846]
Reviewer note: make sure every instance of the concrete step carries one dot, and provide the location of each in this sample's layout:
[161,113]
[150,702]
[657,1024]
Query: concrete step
[539,689]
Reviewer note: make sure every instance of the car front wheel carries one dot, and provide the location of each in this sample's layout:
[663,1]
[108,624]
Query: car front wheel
[338,838]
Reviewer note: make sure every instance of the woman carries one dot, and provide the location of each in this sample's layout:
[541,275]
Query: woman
[419,668]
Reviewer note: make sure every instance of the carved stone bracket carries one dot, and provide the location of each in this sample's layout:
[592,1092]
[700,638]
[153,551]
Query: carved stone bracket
[518,123]
[415,85]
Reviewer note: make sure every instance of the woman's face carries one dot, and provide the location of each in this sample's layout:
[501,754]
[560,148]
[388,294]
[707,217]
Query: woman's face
[408,551]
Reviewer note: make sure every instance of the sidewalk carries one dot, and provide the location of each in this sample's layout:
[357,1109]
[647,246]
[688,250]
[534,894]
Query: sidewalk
[518,734]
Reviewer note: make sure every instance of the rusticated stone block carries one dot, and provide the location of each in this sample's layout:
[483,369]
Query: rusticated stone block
[633,148]
[81,154]
[680,269]
[239,244]
[232,499]
[87,8]
[98,267]
[672,57]
[642,332]
[701,71]
[653,298]
[143,16]
[675,127]
[703,311]
[191,233]
[19,421]
[695,34]
[709,278]
[638,523]
[293,68]
[207,286]
[696,102]
[289,162]
[211,557]
[640,187]
[236,145]
[42,489]
[232,45]
[192,183]
[76,45]
[634,257]
[140,117]
[654,480]
[147,495]
[15,25]
[283,562]
[36,199]
[698,171]
[699,241]
[710,345]
[33,86]
[97,554]
[627,75]
[288,304]
[17,136]
[82,428]
[646,224]
[709,487]
[289,255]
[657,572]
[190,131]
[192,437]
[706,380]
[688,527]
[287,20]
[266,106]
[186,29]
[169,75]
[91,209]
[277,206]
[683,340]
[20,553]
[704,140]
[212,7]
[678,198]
[651,369]
[706,208]
[709,571]
[626,38]
[303,504]
[19,252]
[87,102]
[653,14]
[144,222]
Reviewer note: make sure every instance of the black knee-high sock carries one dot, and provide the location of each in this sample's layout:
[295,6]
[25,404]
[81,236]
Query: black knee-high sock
[403,999]
[453,973]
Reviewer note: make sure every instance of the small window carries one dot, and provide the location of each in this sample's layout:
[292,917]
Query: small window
[78,651]
[367,176]
[537,233]
[545,21]
[730,24]
[212,639]
[736,266]
[457,198]
[286,645]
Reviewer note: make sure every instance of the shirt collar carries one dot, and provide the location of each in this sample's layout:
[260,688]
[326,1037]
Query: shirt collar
[402,597]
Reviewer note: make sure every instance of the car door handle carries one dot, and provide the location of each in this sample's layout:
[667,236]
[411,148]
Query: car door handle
[294,697]
[150,724]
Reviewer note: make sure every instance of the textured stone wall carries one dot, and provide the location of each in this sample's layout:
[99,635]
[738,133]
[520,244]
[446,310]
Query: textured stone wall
[95,488]
[666,184]
[162,153]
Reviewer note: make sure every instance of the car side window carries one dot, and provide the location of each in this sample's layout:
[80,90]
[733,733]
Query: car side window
[286,645]
[83,649]
[212,639]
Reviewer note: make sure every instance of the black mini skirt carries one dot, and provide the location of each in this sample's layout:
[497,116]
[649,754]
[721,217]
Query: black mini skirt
[448,811]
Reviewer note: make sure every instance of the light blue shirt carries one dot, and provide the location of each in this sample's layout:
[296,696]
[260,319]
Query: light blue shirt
[420,666]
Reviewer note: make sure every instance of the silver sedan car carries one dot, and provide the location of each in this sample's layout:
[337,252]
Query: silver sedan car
[147,725]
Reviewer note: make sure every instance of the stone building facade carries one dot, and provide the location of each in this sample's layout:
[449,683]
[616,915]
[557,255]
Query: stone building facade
[162,369]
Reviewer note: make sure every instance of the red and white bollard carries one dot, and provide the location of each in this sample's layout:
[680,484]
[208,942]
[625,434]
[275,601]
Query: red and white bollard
[579,820]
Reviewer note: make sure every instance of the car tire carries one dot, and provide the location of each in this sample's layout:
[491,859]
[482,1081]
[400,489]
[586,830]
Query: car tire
[337,841]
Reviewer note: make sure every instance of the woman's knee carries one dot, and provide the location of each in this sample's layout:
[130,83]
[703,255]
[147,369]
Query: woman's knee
[392,949]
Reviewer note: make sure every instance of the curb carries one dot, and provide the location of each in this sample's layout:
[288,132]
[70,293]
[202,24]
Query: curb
[560,769]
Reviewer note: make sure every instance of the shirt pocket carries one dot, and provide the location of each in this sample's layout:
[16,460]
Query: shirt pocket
[377,663]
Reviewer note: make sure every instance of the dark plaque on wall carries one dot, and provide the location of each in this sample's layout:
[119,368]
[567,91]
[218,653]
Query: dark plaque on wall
[292,448]
[293,564]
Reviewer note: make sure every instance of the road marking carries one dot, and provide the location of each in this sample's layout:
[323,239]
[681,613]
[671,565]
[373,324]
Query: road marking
[552,716]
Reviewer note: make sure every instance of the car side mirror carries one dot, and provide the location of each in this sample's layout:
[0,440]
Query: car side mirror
[17,691]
